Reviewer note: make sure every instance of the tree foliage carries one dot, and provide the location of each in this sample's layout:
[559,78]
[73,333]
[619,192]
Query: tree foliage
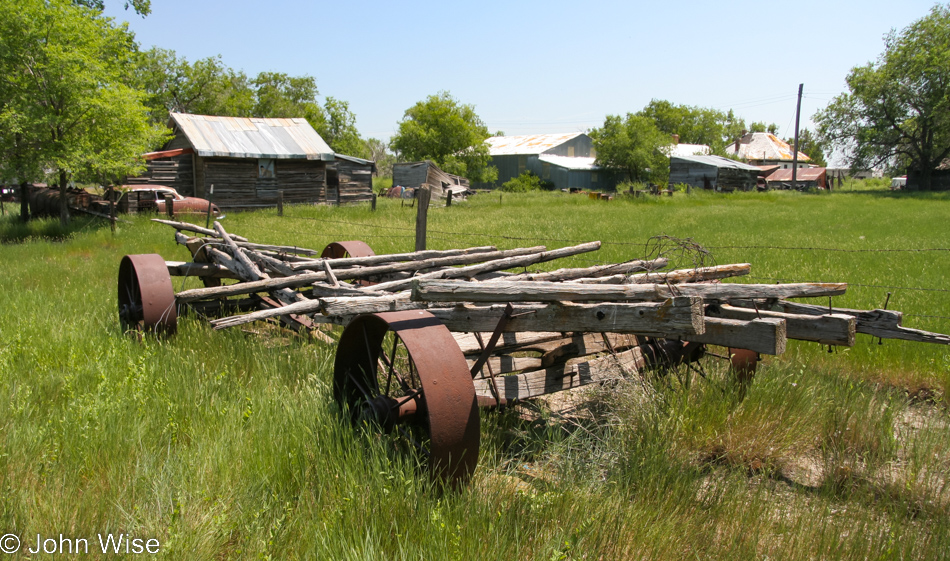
[897,110]
[695,125]
[633,144]
[379,153]
[450,134]
[810,144]
[524,183]
[66,100]
[209,87]
[141,7]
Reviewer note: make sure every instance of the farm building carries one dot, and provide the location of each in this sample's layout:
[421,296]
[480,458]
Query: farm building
[805,178]
[248,160]
[712,172]
[765,149]
[565,160]
[415,174]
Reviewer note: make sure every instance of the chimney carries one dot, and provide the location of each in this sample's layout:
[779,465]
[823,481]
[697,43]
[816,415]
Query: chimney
[676,139]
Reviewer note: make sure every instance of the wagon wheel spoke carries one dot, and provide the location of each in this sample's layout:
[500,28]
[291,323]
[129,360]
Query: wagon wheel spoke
[403,373]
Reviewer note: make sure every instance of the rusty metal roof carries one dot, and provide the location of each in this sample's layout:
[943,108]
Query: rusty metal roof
[527,144]
[757,146]
[804,174]
[252,137]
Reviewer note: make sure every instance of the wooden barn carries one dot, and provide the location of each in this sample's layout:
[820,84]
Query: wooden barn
[248,160]
[415,174]
[713,172]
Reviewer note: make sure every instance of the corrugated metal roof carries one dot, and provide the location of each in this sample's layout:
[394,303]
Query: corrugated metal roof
[804,174]
[717,161]
[251,137]
[577,164]
[764,146]
[527,144]
[681,149]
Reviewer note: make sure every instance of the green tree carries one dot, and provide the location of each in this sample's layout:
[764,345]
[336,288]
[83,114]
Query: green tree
[450,134]
[65,74]
[205,87]
[897,110]
[141,7]
[695,125]
[340,129]
[379,153]
[761,126]
[810,144]
[633,144]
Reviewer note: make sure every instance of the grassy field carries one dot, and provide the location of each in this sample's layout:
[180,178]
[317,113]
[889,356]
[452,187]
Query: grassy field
[227,445]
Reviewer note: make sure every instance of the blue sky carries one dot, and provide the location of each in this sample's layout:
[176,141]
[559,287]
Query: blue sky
[540,67]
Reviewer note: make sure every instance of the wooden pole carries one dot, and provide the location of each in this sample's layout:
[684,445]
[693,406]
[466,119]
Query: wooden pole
[112,195]
[373,207]
[448,199]
[798,113]
[208,216]
[423,195]
[280,202]
[169,206]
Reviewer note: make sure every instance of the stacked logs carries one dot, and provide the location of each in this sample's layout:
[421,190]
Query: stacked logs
[524,334]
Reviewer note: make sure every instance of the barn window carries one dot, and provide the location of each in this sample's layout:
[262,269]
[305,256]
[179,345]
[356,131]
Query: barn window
[546,170]
[570,151]
[593,177]
[522,163]
[265,168]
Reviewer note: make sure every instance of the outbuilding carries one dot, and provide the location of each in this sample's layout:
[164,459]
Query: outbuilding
[248,160]
[805,178]
[712,172]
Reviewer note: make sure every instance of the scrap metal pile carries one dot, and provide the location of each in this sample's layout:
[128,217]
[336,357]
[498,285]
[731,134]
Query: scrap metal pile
[430,335]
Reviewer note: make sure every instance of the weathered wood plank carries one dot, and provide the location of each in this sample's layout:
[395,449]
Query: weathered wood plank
[827,329]
[592,272]
[187,227]
[528,291]
[692,275]
[563,377]
[681,315]
[766,336]
[191,269]
[314,264]
[885,324]
[497,265]
[434,259]
[509,342]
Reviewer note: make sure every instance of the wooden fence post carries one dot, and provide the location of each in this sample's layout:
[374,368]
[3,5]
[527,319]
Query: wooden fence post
[280,202]
[112,195]
[423,194]
[373,206]
[448,200]
[169,206]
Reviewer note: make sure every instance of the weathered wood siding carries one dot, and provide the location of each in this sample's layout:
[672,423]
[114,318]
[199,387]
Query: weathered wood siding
[356,181]
[176,172]
[237,185]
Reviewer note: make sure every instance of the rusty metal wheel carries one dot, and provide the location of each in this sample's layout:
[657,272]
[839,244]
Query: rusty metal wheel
[354,248]
[402,373]
[744,363]
[146,296]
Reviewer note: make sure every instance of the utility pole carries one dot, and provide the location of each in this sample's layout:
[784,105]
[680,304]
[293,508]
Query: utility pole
[798,113]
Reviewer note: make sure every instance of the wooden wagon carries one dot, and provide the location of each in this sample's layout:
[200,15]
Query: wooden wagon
[430,336]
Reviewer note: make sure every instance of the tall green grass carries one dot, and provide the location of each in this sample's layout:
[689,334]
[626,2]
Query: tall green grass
[227,445]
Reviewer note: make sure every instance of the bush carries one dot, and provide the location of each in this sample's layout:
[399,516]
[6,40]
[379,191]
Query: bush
[524,183]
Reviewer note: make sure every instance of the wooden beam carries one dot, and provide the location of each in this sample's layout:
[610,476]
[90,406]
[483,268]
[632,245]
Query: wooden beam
[677,315]
[563,377]
[529,291]
[827,329]
[766,336]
